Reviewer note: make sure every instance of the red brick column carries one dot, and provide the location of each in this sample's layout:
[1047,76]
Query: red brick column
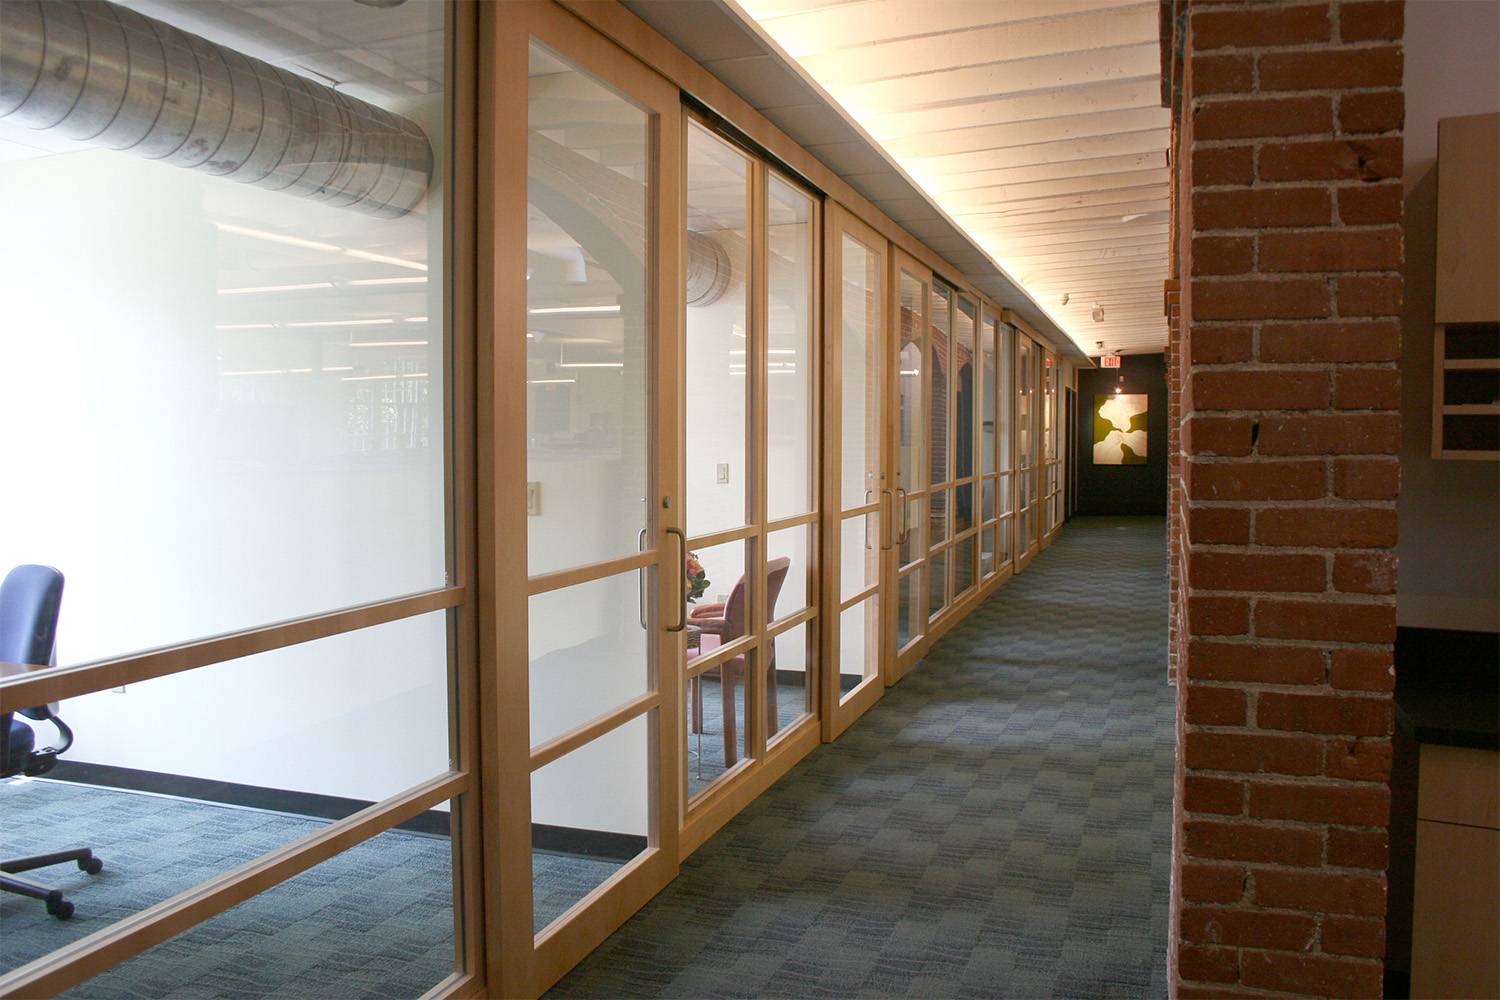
[1290,137]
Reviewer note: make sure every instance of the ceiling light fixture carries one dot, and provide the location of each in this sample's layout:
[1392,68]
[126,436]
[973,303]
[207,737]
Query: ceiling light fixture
[1098,313]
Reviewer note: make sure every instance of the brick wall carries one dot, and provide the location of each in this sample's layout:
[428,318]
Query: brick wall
[1289,197]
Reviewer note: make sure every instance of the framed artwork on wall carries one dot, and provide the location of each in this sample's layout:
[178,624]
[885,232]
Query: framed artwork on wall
[1120,429]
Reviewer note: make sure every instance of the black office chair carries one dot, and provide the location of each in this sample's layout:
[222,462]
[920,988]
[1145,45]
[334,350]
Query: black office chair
[29,602]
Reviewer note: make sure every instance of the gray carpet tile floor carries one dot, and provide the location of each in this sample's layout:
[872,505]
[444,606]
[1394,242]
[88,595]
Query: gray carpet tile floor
[998,825]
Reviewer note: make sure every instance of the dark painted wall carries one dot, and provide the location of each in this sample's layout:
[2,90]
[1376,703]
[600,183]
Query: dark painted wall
[1124,489]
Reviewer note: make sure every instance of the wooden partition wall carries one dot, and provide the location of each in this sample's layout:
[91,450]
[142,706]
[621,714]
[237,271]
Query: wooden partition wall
[929,443]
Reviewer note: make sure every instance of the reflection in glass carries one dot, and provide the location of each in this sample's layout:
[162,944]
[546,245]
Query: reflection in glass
[963,393]
[587,357]
[937,584]
[911,618]
[789,367]
[1004,394]
[942,367]
[794,665]
[937,520]
[988,395]
[859,544]
[719,359]
[859,643]
[588,652]
[914,541]
[590,817]
[913,325]
[861,379]
[987,564]
[963,566]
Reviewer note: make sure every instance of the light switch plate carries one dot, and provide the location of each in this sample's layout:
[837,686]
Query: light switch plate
[533,499]
[723,472]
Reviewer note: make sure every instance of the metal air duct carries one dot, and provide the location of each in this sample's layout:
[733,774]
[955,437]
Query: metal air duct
[106,75]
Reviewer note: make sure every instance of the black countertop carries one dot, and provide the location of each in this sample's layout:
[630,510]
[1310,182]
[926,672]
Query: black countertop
[1448,686]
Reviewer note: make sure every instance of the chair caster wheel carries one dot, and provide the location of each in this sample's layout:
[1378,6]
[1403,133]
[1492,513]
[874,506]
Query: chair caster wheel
[60,908]
[91,865]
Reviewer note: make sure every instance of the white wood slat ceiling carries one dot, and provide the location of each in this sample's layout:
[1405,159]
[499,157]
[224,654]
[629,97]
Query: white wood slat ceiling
[1035,125]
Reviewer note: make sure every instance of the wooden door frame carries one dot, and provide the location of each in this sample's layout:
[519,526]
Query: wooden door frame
[838,714]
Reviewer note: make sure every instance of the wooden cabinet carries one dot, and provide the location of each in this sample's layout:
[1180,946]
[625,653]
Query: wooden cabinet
[1456,916]
[1466,358]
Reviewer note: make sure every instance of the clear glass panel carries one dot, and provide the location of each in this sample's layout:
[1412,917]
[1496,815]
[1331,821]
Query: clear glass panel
[963,566]
[375,921]
[914,543]
[859,643]
[963,388]
[963,508]
[588,652]
[937,519]
[590,816]
[910,362]
[794,656]
[1049,407]
[1002,495]
[794,544]
[588,362]
[859,554]
[942,365]
[718,721]
[718,350]
[166,807]
[1005,394]
[987,564]
[861,379]
[911,617]
[1003,541]
[987,506]
[988,394]
[231,396]
[789,350]
[722,568]
[937,584]
[1023,531]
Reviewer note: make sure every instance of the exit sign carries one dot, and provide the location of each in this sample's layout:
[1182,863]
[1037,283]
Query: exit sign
[1109,361]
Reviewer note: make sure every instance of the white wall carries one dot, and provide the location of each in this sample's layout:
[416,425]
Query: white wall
[178,506]
[1448,510]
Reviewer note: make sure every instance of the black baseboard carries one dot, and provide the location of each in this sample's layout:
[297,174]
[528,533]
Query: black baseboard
[330,807]
[569,841]
[577,843]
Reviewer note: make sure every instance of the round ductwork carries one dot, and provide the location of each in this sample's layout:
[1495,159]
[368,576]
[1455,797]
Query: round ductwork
[708,269]
[106,75]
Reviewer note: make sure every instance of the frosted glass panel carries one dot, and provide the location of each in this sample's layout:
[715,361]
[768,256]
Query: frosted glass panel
[789,346]
[588,361]
[588,652]
[861,376]
[590,817]
[226,399]
[859,643]
[719,359]
[795,544]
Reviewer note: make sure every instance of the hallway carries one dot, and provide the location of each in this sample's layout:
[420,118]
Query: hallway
[998,825]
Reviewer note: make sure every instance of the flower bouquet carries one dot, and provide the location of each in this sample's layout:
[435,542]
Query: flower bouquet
[696,578]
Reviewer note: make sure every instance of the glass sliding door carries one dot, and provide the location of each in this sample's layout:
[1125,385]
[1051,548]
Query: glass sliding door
[750,392]
[1026,449]
[860,523]
[910,367]
[593,825]
[235,384]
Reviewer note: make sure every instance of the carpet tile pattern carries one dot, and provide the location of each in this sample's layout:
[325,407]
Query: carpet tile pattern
[998,825]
